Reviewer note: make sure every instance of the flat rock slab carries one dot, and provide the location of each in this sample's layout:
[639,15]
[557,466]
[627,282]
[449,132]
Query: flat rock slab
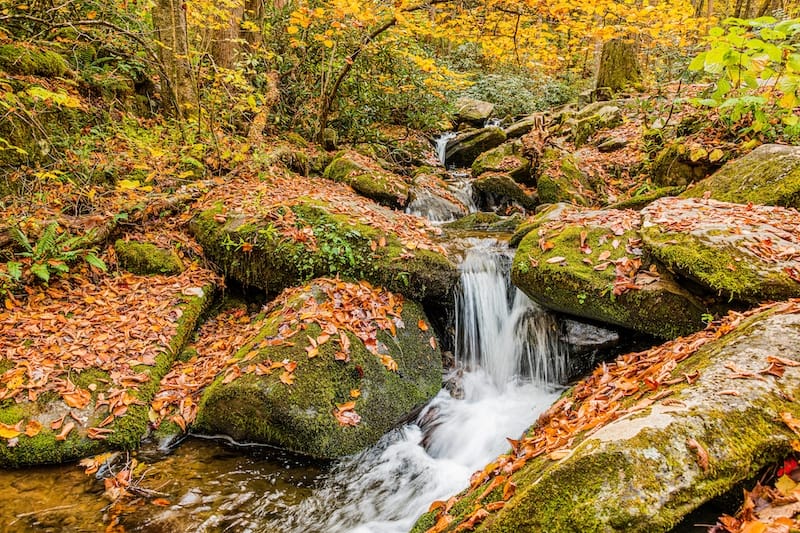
[769,175]
[748,253]
[335,366]
[82,359]
[639,445]
[591,264]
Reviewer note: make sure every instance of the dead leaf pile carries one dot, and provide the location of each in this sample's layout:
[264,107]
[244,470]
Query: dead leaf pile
[118,324]
[631,383]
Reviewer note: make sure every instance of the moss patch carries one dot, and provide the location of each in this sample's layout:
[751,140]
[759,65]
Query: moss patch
[146,258]
[368,179]
[559,179]
[505,158]
[32,62]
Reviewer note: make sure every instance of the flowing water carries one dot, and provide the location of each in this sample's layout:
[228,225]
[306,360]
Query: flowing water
[441,146]
[507,352]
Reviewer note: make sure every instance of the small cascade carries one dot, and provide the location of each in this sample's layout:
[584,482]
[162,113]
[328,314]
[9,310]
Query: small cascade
[498,328]
[441,146]
[461,187]
[493,122]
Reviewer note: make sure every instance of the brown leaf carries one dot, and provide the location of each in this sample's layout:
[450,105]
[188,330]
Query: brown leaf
[422,325]
[556,259]
[700,452]
[33,428]
[69,426]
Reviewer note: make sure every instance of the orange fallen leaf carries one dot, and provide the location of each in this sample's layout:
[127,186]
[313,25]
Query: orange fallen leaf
[69,426]
[10,432]
[161,501]
[355,393]
[422,325]
[33,428]
[287,378]
[700,452]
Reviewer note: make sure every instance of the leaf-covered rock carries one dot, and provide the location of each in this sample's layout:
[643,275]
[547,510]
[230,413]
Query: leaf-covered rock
[560,179]
[593,118]
[280,232]
[769,175]
[650,437]
[335,366]
[506,158]
[368,179]
[591,264]
[749,253]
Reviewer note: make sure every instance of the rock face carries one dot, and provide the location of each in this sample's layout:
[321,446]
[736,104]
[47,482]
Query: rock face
[505,158]
[591,264]
[559,179]
[79,381]
[769,175]
[368,179]
[466,147]
[745,253]
[643,473]
[498,191]
[473,112]
[585,343]
[315,228]
[677,166]
[372,361]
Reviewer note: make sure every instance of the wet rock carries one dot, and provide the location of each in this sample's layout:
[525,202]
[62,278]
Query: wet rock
[300,415]
[646,471]
[473,112]
[769,175]
[367,178]
[498,191]
[431,197]
[324,229]
[463,149]
[560,179]
[744,253]
[586,345]
[608,279]
[489,222]
[505,158]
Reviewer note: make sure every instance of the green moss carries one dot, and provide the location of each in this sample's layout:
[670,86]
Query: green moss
[505,158]
[640,201]
[369,181]
[300,417]
[661,309]
[486,222]
[561,180]
[145,258]
[672,168]
[33,62]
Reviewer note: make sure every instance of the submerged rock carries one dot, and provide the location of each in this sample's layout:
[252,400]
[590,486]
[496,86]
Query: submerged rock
[78,378]
[769,175]
[740,252]
[591,264]
[368,179]
[312,227]
[463,149]
[349,362]
[665,452]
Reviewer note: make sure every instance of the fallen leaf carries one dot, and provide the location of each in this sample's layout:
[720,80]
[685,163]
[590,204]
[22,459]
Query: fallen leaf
[556,259]
[33,428]
[700,452]
[69,426]
[422,325]
[163,502]
[9,432]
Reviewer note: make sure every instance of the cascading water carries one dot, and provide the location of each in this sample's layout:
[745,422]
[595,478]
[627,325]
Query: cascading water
[502,333]
[441,146]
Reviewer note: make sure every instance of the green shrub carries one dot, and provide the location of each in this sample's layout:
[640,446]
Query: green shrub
[516,94]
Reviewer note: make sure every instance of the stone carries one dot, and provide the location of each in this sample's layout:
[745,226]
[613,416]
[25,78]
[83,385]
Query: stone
[674,167]
[300,416]
[523,126]
[431,197]
[769,175]
[473,112]
[593,118]
[560,179]
[587,345]
[506,158]
[463,149]
[612,144]
[146,258]
[498,191]
[369,179]
[488,222]
[741,253]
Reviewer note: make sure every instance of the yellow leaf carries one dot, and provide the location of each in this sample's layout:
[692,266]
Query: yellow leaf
[9,432]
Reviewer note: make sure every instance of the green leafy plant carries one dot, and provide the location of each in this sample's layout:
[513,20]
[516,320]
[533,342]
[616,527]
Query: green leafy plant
[50,255]
[756,68]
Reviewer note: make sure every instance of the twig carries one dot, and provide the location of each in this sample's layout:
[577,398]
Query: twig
[42,511]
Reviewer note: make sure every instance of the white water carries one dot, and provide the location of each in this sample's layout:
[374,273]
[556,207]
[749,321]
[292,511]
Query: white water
[441,146]
[386,488]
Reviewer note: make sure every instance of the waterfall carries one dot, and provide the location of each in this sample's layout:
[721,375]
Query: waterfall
[441,146]
[508,350]
[498,328]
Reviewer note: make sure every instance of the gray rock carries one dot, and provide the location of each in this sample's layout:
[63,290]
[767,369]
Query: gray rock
[463,149]
[612,144]
[472,111]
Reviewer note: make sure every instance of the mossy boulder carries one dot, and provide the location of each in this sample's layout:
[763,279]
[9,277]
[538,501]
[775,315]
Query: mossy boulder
[300,415]
[769,175]
[678,165]
[126,378]
[640,201]
[523,126]
[646,471]
[24,60]
[147,258]
[593,118]
[472,111]
[499,191]
[506,158]
[591,265]
[739,252]
[560,179]
[490,222]
[463,149]
[276,247]
[367,178]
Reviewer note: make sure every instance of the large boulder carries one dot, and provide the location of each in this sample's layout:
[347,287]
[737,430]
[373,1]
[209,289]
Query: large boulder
[769,175]
[560,179]
[280,232]
[524,125]
[335,366]
[82,360]
[506,158]
[499,191]
[368,179]
[472,111]
[463,149]
[748,253]
[593,118]
[590,264]
[649,438]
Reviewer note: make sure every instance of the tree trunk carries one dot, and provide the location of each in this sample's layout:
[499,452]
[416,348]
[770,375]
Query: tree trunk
[169,20]
[225,41]
[619,66]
